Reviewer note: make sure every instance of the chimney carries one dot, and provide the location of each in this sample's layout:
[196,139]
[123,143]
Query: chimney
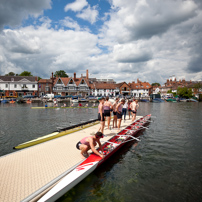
[87,74]
[81,75]
[74,76]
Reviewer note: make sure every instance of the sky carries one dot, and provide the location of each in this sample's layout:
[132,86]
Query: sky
[124,40]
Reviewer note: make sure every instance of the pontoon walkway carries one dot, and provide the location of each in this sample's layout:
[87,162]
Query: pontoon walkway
[27,174]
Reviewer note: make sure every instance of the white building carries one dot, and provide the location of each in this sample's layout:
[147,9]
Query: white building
[15,86]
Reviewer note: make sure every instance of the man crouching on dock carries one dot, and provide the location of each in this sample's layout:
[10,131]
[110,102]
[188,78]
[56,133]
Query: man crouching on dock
[88,143]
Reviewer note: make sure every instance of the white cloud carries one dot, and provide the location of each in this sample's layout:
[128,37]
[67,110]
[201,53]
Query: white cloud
[42,50]
[69,22]
[89,14]
[76,6]
[145,39]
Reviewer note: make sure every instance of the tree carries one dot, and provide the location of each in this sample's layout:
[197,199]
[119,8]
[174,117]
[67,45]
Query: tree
[169,91]
[10,74]
[39,78]
[184,92]
[60,73]
[197,86]
[155,84]
[26,73]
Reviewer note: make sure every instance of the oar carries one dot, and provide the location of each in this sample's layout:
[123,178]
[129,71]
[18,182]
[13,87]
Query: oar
[143,127]
[130,136]
[109,142]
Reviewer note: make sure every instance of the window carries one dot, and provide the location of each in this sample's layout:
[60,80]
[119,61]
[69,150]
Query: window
[15,85]
[59,81]
[33,86]
[82,82]
[6,85]
[71,81]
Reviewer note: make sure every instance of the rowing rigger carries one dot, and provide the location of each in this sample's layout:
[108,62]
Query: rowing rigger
[92,162]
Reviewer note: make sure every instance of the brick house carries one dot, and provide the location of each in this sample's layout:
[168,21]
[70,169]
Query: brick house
[140,89]
[71,86]
[46,86]
[123,88]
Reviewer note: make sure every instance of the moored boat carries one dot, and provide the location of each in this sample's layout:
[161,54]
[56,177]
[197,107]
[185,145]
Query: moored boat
[4,101]
[74,99]
[83,100]
[171,100]
[92,99]
[157,100]
[93,161]
[29,101]
[12,101]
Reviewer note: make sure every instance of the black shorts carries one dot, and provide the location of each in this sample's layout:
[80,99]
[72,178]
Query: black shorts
[106,112]
[119,116]
[134,112]
[129,109]
[114,113]
[99,117]
[78,145]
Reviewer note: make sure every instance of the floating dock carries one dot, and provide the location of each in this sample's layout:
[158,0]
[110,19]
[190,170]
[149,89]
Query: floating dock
[28,174]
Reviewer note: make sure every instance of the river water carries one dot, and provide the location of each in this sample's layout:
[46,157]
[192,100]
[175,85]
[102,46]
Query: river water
[166,165]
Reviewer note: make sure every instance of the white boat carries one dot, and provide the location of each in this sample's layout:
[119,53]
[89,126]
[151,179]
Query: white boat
[83,100]
[92,99]
[75,99]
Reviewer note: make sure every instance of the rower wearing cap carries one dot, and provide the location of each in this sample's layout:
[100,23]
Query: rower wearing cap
[88,143]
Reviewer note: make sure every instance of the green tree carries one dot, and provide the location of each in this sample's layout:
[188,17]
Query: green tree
[197,86]
[184,92]
[155,84]
[39,78]
[26,73]
[10,74]
[169,91]
[60,73]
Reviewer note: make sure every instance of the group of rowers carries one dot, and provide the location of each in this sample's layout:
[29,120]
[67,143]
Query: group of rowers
[105,108]
[119,109]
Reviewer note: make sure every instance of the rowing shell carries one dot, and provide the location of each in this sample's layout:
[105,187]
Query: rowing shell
[93,161]
[54,135]
[61,107]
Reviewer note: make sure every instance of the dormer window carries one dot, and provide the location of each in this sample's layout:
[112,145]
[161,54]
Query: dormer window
[82,82]
[71,81]
[59,81]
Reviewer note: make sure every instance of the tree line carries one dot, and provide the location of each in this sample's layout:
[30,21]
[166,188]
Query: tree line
[60,73]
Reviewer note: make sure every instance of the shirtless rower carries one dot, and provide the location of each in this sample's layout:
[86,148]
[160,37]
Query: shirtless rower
[107,111]
[115,112]
[101,117]
[134,106]
[88,143]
